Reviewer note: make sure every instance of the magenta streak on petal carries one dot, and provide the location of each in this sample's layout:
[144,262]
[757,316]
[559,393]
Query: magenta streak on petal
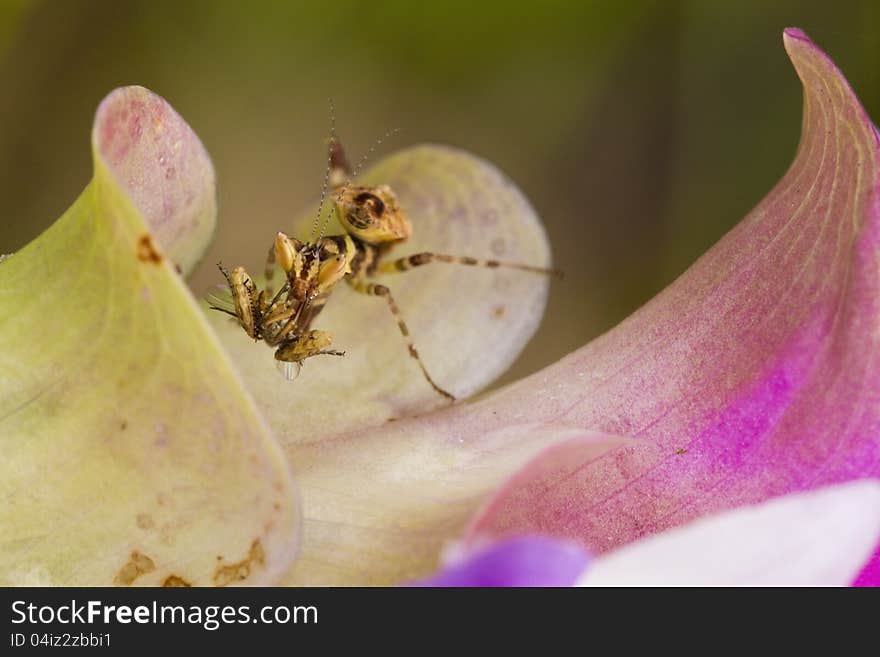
[753,375]
[525,561]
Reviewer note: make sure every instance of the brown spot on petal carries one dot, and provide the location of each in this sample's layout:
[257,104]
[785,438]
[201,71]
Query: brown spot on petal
[174,581]
[240,570]
[138,564]
[498,312]
[145,521]
[147,251]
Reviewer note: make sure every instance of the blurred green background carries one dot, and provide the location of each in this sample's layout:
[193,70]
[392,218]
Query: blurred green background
[641,131]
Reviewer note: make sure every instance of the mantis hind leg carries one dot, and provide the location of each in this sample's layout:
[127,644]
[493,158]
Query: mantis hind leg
[374,289]
[426,258]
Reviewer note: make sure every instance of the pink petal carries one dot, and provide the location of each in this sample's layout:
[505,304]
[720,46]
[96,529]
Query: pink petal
[755,374]
[818,538]
[161,164]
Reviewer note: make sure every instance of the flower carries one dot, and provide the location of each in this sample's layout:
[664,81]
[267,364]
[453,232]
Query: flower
[755,374]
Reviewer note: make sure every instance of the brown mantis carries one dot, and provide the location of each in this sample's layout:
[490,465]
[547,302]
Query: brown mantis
[374,222]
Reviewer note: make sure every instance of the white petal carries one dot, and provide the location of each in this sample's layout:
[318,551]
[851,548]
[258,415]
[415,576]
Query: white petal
[820,538]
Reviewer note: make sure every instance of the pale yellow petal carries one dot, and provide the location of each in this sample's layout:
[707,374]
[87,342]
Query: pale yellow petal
[130,452]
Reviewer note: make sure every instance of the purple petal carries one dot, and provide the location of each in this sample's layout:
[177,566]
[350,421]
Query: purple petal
[755,374]
[525,561]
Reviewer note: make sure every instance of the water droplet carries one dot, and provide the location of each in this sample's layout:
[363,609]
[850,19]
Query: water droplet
[288,370]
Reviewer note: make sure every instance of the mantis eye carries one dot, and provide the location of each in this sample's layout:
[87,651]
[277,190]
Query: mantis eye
[372,202]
